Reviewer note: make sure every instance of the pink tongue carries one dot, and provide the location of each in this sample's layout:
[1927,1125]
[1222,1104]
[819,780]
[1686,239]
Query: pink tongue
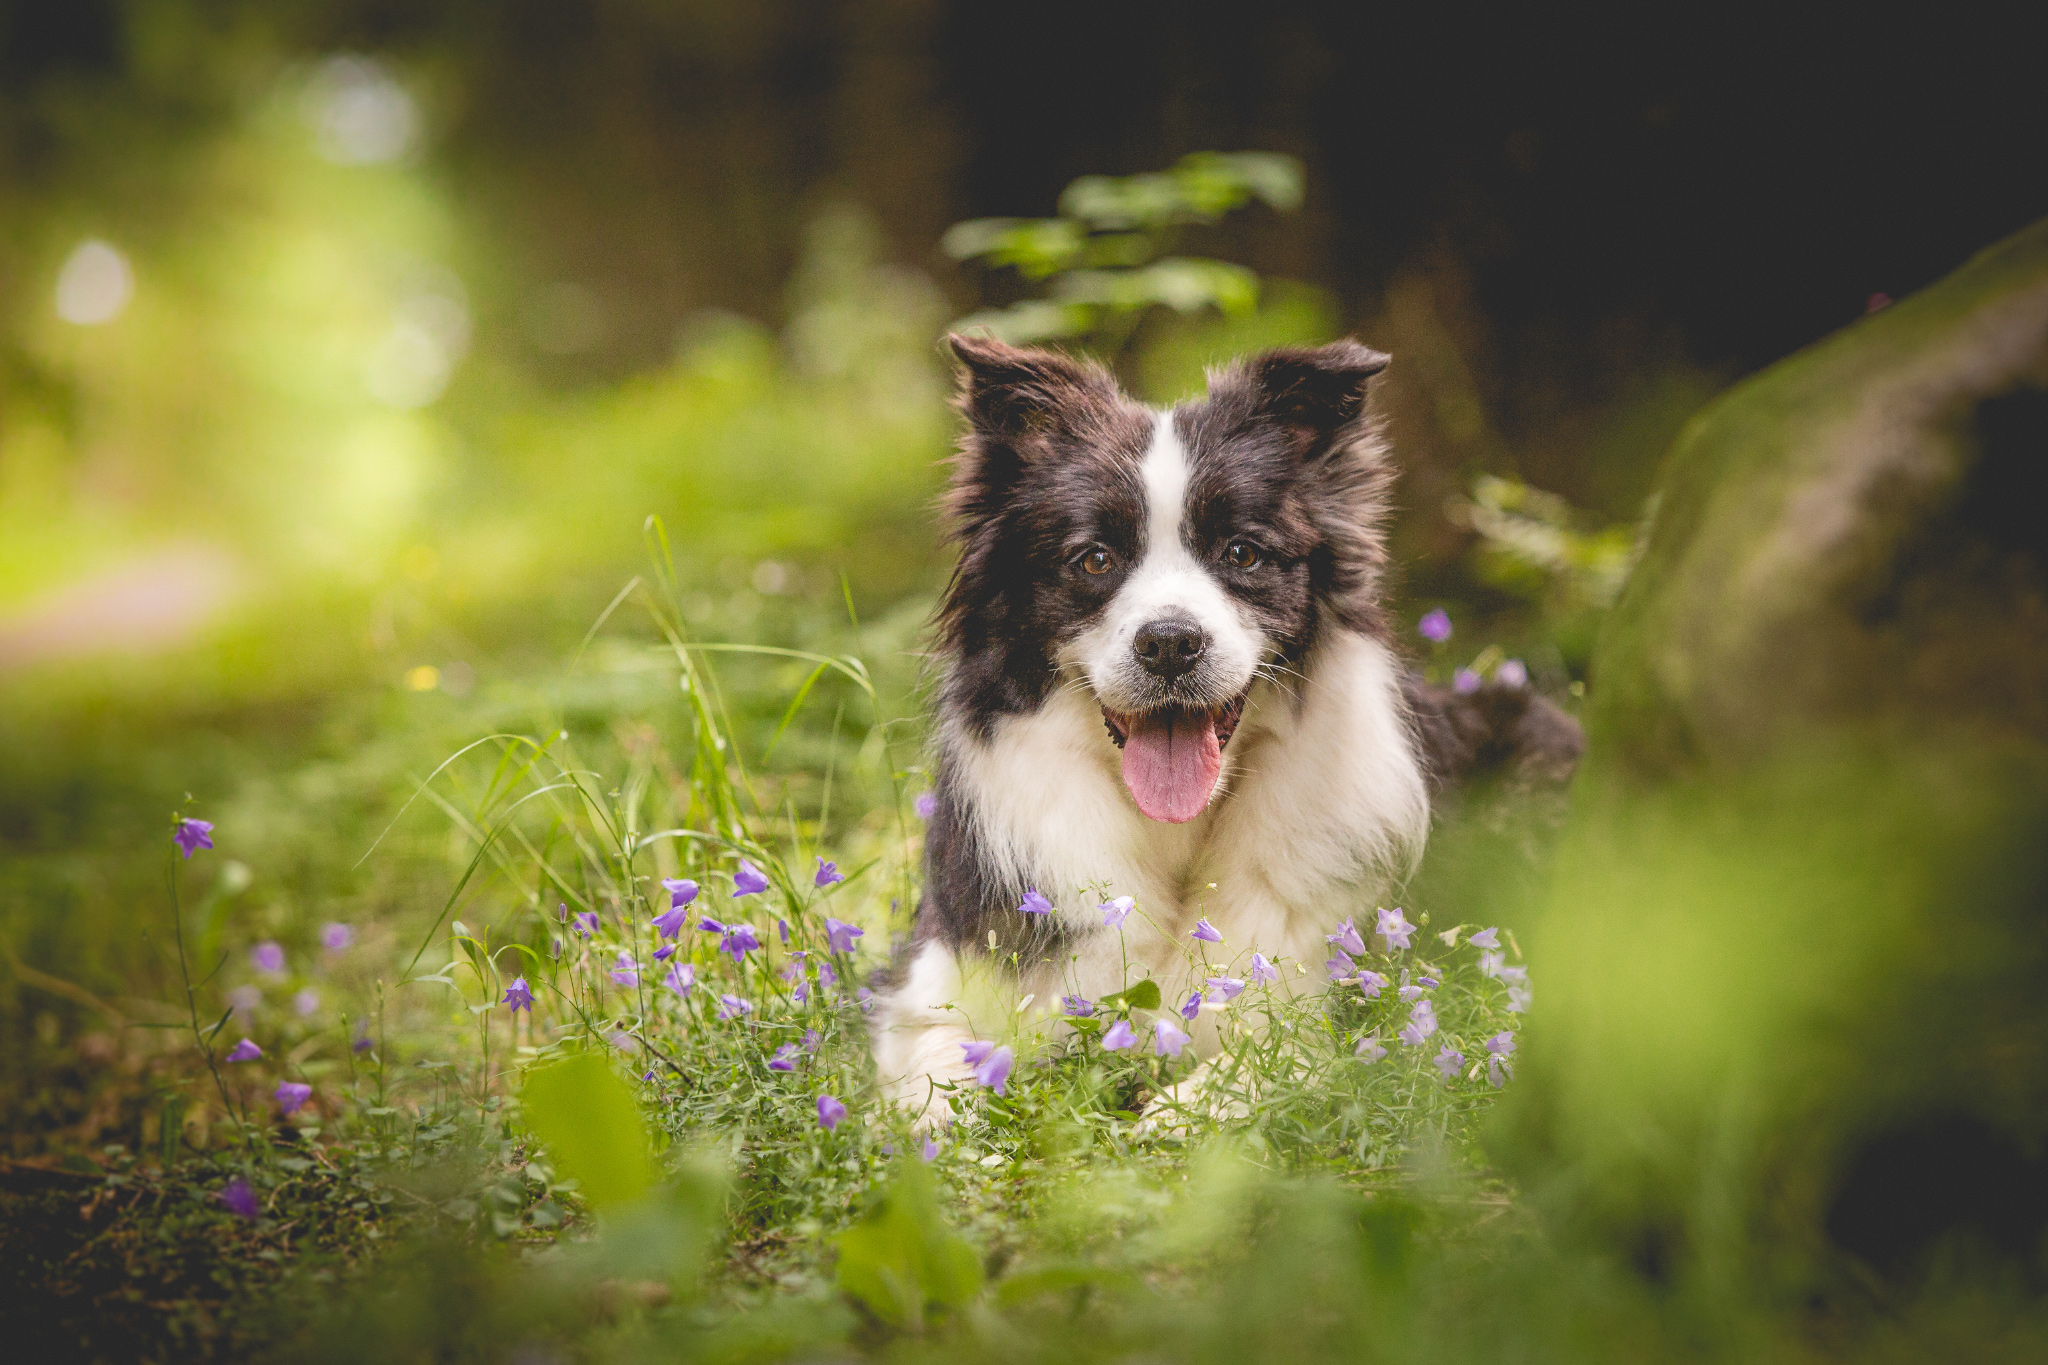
[1171,762]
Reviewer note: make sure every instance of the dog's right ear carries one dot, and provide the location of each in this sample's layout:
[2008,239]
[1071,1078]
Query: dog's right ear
[1013,394]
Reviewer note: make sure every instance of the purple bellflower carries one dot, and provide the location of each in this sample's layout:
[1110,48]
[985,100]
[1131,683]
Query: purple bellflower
[1347,940]
[1518,999]
[839,935]
[664,952]
[1205,931]
[1115,912]
[1222,988]
[747,880]
[1448,1061]
[336,936]
[244,1051]
[926,805]
[192,835]
[1167,1041]
[1413,993]
[1341,967]
[519,995]
[1119,1036]
[930,1150]
[739,940]
[976,1052]
[826,976]
[1034,903]
[993,1070]
[1421,1023]
[681,891]
[1394,927]
[306,1003]
[1077,1007]
[1372,983]
[1193,1007]
[732,1007]
[681,977]
[672,921]
[627,971]
[291,1096]
[830,1112]
[866,998]
[1263,972]
[1435,626]
[1464,682]
[268,957]
[584,922]
[826,875]
[1370,1048]
[784,1058]
[237,1198]
[811,1039]
[1485,938]
[1501,1044]
[782,930]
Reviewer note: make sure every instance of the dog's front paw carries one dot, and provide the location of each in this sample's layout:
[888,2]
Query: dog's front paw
[1197,1103]
[920,1069]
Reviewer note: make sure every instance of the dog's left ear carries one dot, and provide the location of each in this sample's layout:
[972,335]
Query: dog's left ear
[1314,392]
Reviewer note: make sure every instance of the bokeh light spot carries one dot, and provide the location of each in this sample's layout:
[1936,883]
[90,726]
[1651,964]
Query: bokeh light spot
[360,115]
[94,285]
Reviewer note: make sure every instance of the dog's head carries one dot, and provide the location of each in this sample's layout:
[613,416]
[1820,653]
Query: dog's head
[1163,560]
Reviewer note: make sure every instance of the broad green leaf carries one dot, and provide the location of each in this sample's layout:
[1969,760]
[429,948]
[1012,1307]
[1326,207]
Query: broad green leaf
[591,1124]
[1143,996]
[902,1258]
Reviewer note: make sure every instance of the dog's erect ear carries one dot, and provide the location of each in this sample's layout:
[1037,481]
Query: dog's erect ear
[1013,393]
[1315,392]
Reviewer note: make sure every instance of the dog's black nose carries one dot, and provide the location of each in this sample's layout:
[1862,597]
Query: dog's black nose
[1170,647]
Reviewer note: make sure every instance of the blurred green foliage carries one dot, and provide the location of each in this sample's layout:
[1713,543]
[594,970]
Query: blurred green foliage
[1101,260]
[590,1121]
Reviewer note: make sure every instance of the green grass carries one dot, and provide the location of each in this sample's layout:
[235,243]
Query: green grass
[453,838]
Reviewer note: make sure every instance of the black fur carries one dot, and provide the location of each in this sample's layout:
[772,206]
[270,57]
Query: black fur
[1495,731]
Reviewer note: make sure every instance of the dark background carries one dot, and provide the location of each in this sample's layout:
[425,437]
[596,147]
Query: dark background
[1738,181]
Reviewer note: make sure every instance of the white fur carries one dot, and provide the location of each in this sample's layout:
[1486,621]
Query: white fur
[1320,811]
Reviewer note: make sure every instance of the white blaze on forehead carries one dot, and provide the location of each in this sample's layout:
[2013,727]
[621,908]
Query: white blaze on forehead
[1165,475]
[1168,581]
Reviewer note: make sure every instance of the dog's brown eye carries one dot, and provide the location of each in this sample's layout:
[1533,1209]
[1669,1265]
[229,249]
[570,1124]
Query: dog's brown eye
[1096,561]
[1240,555]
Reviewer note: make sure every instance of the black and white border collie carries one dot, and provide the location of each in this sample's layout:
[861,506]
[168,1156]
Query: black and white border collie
[1166,676]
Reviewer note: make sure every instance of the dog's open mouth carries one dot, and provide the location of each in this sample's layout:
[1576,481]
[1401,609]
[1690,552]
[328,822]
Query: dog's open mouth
[1173,756]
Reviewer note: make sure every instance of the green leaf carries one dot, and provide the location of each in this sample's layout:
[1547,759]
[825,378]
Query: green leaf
[208,1035]
[591,1124]
[1143,996]
[172,1134]
[902,1258]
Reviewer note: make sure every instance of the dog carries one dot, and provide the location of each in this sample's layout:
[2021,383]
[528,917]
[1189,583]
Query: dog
[1167,675]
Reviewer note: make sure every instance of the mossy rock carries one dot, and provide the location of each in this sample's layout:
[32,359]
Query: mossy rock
[1791,1032]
